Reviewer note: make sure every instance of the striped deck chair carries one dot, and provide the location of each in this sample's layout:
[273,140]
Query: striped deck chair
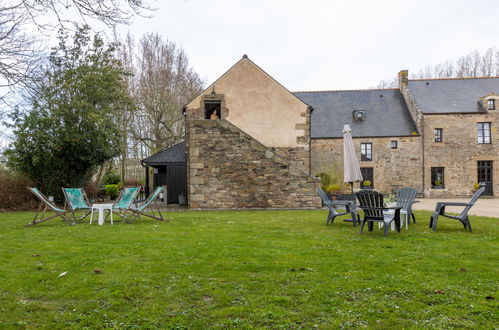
[77,200]
[150,203]
[45,204]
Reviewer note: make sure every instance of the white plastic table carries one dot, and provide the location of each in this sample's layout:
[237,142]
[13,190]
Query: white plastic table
[101,208]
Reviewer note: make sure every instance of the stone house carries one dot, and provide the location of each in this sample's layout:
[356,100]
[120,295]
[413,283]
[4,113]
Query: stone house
[251,143]
[248,144]
[458,121]
[439,136]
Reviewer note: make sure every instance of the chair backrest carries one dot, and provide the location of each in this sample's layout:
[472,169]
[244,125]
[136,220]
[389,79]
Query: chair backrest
[150,199]
[477,194]
[371,202]
[405,197]
[323,196]
[126,198]
[76,198]
[44,199]
[473,200]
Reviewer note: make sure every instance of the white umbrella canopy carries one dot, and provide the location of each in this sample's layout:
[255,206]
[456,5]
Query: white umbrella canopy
[351,167]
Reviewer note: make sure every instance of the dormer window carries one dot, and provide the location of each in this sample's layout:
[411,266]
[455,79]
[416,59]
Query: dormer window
[491,104]
[212,109]
[359,115]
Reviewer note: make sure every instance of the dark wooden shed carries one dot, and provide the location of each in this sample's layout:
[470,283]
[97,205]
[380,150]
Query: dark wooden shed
[169,170]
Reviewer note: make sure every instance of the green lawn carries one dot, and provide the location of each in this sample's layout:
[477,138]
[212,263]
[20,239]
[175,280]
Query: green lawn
[279,269]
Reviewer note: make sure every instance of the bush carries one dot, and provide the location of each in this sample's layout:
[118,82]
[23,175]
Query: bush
[110,178]
[13,192]
[333,188]
[112,190]
[325,180]
[367,183]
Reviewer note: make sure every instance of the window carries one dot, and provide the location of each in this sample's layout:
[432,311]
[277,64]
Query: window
[367,175]
[366,151]
[483,130]
[438,134]
[212,109]
[359,114]
[394,144]
[437,177]
[491,104]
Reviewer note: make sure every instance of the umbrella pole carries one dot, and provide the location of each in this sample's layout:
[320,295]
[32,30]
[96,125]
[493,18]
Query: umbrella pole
[351,187]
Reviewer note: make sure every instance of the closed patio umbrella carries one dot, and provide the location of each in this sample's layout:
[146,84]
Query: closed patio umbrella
[351,167]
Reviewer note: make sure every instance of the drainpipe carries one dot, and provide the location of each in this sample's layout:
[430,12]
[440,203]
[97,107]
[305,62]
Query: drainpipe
[422,152]
[311,109]
[146,186]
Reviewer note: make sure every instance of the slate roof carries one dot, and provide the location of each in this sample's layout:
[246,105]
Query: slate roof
[452,95]
[386,113]
[174,154]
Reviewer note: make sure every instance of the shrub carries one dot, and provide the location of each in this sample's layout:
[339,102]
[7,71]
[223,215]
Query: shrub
[112,190]
[325,180]
[438,183]
[476,186]
[333,188]
[367,183]
[13,192]
[110,178]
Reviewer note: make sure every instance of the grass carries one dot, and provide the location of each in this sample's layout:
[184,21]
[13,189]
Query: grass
[279,269]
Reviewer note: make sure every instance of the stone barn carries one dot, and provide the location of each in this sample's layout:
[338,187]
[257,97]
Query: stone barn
[248,144]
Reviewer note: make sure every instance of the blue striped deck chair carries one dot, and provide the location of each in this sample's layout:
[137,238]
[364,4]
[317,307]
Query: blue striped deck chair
[46,204]
[77,200]
[150,203]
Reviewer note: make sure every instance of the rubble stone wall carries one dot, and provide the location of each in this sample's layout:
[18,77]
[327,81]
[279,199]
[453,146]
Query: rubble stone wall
[227,168]
[392,168]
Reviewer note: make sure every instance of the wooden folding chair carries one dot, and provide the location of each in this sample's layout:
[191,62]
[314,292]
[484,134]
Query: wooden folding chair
[149,203]
[45,204]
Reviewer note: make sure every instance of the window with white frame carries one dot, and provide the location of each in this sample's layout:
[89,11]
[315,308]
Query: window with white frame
[366,151]
[491,104]
[483,132]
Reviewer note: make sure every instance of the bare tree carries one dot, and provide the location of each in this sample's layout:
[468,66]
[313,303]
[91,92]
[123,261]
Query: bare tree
[472,65]
[19,51]
[164,83]
[110,12]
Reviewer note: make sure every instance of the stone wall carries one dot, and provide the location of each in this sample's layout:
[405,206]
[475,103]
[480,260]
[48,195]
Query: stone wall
[459,152]
[227,168]
[393,168]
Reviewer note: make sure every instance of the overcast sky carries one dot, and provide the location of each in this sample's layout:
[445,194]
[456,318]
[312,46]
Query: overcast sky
[321,44]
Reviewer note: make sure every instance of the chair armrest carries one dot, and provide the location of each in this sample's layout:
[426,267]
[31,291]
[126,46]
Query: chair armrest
[349,203]
[453,204]
[382,208]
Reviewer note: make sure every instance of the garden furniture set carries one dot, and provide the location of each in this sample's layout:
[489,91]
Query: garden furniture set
[76,200]
[375,210]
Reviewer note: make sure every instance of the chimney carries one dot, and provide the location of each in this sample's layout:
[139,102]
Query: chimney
[403,78]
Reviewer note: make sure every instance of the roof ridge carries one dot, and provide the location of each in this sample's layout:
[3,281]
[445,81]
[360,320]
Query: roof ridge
[349,90]
[453,78]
